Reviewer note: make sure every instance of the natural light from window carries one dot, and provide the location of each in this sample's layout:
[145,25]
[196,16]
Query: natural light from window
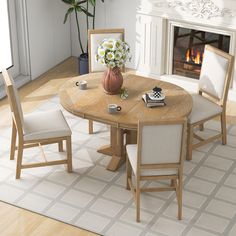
[5,43]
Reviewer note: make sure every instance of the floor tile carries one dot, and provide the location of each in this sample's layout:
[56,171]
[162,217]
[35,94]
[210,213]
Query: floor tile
[90,185]
[93,222]
[231,181]
[119,229]
[62,177]
[62,212]
[168,227]
[49,189]
[101,173]
[77,198]
[226,193]
[10,193]
[225,151]
[199,232]
[172,212]
[106,207]
[193,199]
[218,162]
[34,202]
[129,216]
[209,174]
[221,208]
[118,194]
[200,186]
[213,223]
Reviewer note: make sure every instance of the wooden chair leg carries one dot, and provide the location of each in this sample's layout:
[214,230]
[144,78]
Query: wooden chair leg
[19,158]
[60,146]
[69,154]
[137,195]
[223,129]
[13,141]
[90,127]
[201,127]
[128,173]
[189,143]
[180,196]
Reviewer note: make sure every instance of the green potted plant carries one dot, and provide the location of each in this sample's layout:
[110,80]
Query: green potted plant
[78,7]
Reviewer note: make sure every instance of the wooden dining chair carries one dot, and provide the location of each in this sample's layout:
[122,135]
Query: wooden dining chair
[210,102]
[158,155]
[95,37]
[36,129]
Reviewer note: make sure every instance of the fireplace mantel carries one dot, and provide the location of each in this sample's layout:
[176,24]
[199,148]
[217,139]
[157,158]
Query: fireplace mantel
[215,13]
[153,28]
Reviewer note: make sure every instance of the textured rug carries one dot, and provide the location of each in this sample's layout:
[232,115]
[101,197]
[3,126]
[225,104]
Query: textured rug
[96,199]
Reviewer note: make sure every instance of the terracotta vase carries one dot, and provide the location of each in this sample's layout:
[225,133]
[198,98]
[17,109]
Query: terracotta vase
[112,80]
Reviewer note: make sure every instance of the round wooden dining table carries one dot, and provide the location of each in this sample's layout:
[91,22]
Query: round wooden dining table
[92,104]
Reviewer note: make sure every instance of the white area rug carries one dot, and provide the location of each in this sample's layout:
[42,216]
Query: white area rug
[96,199]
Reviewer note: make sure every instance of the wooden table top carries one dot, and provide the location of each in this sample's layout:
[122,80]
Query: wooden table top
[92,103]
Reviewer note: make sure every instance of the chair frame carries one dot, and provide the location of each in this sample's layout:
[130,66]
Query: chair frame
[18,130]
[100,31]
[221,101]
[176,181]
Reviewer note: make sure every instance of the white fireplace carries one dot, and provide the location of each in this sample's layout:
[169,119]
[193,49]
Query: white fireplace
[160,22]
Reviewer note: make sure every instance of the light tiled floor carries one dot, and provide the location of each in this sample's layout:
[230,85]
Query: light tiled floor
[97,200]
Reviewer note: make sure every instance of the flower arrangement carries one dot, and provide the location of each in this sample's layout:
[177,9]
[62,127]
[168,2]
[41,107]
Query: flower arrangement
[113,53]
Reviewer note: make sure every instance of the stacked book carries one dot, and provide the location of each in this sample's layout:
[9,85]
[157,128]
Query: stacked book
[155,98]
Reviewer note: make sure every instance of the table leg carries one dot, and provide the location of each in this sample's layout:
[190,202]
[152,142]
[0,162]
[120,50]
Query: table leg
[109,149]
[118,157]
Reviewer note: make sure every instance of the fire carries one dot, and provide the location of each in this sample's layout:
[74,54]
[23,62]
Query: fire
[187,56]
[197,59]
[193,56]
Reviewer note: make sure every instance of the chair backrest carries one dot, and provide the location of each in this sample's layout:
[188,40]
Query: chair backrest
[161,142]
[216,73]
[14,101]
[95,37]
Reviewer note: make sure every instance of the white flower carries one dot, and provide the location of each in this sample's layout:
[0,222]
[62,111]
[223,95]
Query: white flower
[107,45]
[118,55]
[110,56]
[111,64]
[120,63]
[102,61]
[101,52]
[112,53]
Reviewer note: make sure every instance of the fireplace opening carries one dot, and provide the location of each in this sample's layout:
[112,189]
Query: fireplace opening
[188,49]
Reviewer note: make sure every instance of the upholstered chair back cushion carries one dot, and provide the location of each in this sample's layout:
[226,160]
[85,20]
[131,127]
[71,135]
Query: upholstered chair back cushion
[161,143]
[213,73]
[96,39]
[13,96]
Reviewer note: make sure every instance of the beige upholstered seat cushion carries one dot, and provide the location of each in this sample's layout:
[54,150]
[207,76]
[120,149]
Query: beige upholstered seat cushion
[132,155]
[202,109]
[45,125]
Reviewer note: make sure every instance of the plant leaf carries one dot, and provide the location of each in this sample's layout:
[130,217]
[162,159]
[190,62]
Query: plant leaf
[85,11]
[92,2]
[67,1]
[69,11]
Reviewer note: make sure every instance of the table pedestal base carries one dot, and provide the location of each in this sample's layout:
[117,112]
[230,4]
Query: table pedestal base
[115,149]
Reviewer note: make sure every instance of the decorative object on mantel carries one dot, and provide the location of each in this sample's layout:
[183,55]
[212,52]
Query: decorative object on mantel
[201,8]
[113,53]
[154,98]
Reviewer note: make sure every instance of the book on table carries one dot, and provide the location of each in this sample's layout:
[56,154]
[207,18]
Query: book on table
[153,102]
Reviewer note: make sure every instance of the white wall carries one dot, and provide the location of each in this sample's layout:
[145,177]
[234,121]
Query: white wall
[49,38]
[113,14]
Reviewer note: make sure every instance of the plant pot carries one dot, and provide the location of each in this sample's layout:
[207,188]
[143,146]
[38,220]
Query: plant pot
[112,80]
[83,64]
